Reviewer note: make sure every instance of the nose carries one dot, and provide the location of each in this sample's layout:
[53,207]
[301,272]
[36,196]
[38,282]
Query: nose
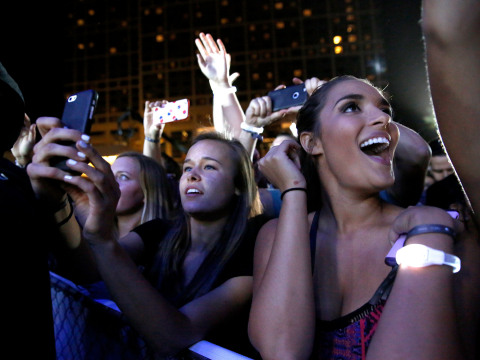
[193,175]
[380,117]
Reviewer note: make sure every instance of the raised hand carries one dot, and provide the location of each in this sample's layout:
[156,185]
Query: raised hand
[281,166]
[214,61]
[152,130]
[22,150]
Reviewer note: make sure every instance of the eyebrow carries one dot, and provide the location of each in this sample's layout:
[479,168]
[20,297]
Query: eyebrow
[204,158]
[383,101]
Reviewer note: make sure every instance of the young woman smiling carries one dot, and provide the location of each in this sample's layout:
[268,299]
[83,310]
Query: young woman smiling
[322,289]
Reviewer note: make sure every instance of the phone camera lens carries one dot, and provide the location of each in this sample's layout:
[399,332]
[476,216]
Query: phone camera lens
[295,95]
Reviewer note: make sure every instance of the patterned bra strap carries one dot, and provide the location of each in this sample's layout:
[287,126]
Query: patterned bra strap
[313,238]
[385,287]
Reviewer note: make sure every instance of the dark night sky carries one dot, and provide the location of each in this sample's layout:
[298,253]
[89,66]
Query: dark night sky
[32,52]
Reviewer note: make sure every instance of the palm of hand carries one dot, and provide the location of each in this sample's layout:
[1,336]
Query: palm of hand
[214,68]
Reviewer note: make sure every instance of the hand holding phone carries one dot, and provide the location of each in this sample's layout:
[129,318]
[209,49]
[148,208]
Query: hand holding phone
[288,97]
[171,111]
[78,115]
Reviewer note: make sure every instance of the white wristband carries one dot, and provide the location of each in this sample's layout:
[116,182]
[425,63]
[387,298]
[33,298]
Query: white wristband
[418,255]
[250,128]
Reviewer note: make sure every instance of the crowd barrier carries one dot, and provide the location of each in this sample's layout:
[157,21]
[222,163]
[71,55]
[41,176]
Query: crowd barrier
[86,329]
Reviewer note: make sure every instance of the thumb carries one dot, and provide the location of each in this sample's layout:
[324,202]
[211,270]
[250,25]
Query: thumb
[233,77]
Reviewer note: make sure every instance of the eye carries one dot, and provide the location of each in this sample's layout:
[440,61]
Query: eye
[209,167]
[350,107]
[388,111]
[122,177]
[187,168]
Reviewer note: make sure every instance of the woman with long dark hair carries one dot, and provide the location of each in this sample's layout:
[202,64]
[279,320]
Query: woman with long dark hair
[323,287]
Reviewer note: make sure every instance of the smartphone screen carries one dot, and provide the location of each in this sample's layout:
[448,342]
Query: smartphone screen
[295,95]
[77,114]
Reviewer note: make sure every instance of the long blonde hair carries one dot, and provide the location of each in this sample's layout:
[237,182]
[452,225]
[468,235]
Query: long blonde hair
[155,186]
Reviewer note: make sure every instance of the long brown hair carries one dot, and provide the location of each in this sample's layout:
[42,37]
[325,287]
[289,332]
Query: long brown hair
[168,269]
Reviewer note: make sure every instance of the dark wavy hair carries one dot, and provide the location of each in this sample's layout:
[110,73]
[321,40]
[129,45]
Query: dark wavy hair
[308,120]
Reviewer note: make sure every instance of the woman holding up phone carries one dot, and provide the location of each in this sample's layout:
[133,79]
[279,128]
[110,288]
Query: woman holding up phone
[198,281]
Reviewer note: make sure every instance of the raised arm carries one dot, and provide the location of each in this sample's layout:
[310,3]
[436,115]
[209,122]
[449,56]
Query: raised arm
[153,132]
[214,62]
[282,317]
[452,41]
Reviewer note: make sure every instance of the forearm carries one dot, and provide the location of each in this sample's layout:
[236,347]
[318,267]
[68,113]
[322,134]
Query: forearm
[412,157]
[165,328]
[453,50]
[153,149]
[282,320]
[420,311]
[227,111]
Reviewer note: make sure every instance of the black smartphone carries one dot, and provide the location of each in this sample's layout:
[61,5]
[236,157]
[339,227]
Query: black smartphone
[290,96]
[77,114]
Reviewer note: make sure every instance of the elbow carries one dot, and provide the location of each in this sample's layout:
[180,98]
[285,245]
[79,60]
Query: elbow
[277,349]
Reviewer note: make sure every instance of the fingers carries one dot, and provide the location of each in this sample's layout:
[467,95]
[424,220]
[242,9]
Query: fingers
[260,107]
[233,77]
[45,124]
[51,145]
[312,84]
[99,180]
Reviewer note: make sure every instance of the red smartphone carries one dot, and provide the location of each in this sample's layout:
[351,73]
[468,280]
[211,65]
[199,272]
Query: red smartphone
[171,111]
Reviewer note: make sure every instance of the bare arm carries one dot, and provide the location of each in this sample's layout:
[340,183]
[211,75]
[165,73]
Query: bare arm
[410,165]
[421,307]
[282,317]
[153,132]
[451,30]
[166,328]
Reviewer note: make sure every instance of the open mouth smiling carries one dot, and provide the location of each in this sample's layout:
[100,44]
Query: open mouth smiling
[375,146]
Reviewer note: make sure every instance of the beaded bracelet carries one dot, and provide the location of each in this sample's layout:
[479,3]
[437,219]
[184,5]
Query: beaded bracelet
[431,228]
[292,189]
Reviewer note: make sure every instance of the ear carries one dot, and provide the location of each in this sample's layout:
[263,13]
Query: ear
[311,144]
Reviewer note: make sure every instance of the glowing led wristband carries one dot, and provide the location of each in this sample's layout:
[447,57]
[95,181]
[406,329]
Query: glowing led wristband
[417,255]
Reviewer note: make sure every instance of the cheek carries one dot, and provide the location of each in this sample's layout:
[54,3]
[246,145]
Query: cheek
[131,192]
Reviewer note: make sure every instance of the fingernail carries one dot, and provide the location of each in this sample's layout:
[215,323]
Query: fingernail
[82,155]
[85,138]
[68,177]
[82,144]
[71,162]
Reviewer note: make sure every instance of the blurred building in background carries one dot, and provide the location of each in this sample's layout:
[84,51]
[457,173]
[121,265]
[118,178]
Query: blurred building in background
[137,50]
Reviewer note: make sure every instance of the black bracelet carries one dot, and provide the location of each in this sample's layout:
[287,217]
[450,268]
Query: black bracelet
[431,228]
[156,141]
[69,216]
[292,189]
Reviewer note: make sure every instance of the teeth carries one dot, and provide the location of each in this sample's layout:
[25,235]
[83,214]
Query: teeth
[378,140]
[193,191]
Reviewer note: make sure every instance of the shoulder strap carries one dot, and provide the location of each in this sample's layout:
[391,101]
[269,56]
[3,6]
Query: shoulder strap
[313,238]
